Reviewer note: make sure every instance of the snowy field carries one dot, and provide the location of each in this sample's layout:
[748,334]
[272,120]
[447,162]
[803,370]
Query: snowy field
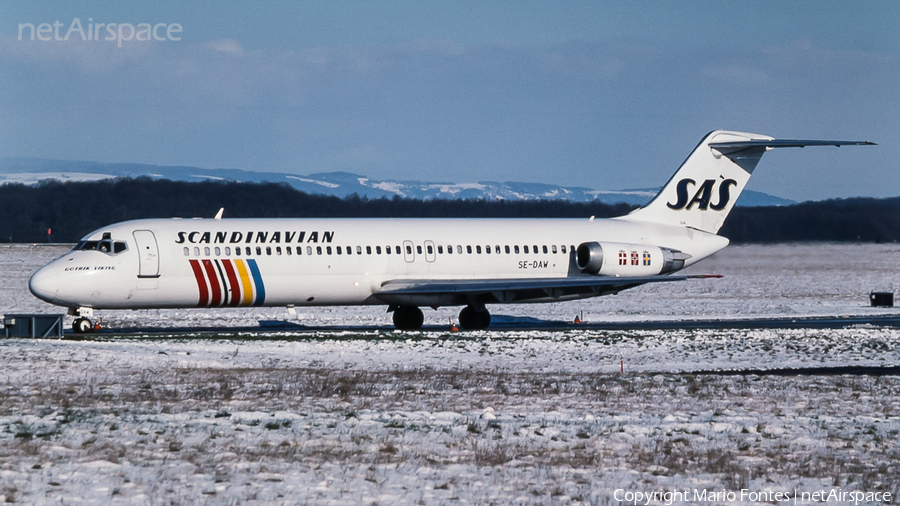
[534,417]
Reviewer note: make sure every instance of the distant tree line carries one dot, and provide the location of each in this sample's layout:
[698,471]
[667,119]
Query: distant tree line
[841,220]
[72,209]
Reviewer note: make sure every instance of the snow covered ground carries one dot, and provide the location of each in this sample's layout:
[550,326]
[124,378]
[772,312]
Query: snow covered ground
[534,417]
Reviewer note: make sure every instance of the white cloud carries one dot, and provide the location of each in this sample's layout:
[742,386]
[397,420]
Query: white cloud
[226,46]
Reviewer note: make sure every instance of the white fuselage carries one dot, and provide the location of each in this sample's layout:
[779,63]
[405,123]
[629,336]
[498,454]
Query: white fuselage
[178,263]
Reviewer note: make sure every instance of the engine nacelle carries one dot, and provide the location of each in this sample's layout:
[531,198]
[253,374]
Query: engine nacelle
[589,257]
[620,259]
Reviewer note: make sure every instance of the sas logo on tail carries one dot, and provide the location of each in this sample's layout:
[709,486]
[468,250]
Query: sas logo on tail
[703,196]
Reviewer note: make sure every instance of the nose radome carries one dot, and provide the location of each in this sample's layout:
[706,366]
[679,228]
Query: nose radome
[44,283]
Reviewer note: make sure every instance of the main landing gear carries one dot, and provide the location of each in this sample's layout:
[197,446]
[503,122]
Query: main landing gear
[470,318]
[408,318]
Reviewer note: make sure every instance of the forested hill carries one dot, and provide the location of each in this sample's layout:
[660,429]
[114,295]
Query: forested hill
[74,209]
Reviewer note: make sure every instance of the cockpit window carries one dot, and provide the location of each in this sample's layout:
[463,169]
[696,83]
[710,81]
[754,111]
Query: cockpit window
[107,246]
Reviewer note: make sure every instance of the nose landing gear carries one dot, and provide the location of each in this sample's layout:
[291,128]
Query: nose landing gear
[82,323]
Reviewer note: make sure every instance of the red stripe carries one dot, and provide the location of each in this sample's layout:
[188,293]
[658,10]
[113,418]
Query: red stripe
[232,282]
[213,282]
[201,283]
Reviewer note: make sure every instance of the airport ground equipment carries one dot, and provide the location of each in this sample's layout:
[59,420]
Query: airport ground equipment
[33,325]
[882,299]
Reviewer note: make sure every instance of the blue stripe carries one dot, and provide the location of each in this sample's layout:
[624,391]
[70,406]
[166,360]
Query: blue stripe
[257,280]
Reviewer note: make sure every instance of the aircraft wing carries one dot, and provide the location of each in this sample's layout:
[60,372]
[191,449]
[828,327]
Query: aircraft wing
[454,292]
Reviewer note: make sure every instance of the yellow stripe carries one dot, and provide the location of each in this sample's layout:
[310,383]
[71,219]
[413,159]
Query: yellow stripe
[246,283]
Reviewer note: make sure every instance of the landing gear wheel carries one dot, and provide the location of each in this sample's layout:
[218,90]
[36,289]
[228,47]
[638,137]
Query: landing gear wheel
[474,319]
[408,318]
[82,325]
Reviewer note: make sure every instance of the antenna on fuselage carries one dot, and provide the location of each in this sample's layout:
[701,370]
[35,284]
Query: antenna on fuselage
[220,213]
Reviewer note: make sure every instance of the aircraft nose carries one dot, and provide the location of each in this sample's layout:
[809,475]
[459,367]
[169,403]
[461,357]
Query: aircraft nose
[44,283]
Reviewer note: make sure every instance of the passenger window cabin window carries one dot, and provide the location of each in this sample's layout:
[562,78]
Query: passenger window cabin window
[277,250]
[196,251]
[469,250]
[409,250]
[459,249]
[497,249]
[535,248]
[525,248]
[218,251]
[289,250]
[516,249]
[338,250]
[318,250]
[206,251]
[563,248]
[398,250]
[187,251]
[440,250]
[237,251]
[228,251]
[430,249]
[478,249]
[359,250]
[487,249]
[554,249]
[545,249]
[419,250]
[328,249]
[387,250]
[268,250]
[506,248]
[449,250]
[377,250]
[259,250]
[300,250]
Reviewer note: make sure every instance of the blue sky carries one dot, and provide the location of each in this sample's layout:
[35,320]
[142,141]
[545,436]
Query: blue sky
[608,95]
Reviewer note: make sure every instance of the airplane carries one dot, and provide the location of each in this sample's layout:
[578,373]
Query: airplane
[407,264]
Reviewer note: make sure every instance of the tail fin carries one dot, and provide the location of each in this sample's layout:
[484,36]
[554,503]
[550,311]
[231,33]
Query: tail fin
[704,189]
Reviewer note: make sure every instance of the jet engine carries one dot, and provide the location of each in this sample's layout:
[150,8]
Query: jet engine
[621,259]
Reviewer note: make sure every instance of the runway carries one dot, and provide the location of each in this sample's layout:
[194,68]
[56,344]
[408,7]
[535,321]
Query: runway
[504,323]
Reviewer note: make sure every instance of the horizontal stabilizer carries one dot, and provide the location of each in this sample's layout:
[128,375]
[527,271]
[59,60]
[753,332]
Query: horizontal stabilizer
[727,148]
